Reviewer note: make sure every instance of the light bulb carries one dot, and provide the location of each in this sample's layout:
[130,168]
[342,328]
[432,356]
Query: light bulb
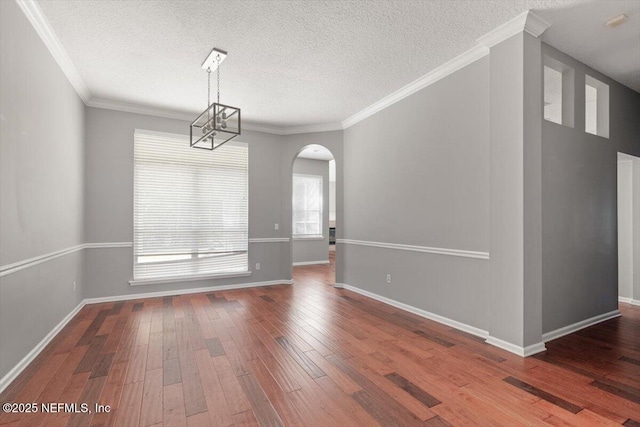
[224,115]
[224,124]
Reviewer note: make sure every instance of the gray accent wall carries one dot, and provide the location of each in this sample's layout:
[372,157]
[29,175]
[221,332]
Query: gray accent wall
[41,188]
[314,250]
[579,204]
[417,173]
[109,203]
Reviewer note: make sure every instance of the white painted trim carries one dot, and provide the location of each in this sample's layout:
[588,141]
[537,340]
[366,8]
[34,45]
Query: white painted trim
[420,312]
[338,285]
[431,77]
[126,107]
[426,249]
[41,24]
[27,263]
[566,330]
[324,261]
[527,351]
[187,291]
[17,369]
[106,245]
[309,238]
[526,21]
[188,116]
[269,240]
[629,300]
[322,127]
[179,279]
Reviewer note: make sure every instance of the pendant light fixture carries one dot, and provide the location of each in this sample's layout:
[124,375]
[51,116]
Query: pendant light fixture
[219,123]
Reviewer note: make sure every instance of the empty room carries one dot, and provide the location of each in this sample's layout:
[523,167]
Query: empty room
[319,213]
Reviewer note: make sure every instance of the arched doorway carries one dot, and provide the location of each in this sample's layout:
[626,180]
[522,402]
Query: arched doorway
[313,213]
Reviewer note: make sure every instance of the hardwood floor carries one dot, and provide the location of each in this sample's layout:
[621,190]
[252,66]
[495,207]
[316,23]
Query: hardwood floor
[312,355]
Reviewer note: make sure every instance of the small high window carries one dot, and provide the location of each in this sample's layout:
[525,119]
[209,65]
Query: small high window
[596,107]
[558,92]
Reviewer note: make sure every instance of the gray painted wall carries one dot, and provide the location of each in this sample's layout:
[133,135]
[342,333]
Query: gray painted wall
[579,204]
[109,203]
[423,181]
[41,187]
[314,250]
[625,228]
[516,111]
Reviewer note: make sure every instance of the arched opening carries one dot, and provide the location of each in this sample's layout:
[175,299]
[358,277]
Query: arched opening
[313,212]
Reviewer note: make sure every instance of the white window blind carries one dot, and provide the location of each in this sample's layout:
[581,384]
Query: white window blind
[307,205]
[190,208]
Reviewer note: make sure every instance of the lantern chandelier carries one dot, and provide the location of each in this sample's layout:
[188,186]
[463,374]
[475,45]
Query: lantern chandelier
[218,123]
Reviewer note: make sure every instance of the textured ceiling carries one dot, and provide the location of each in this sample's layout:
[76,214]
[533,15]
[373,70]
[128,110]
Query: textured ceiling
[295,63]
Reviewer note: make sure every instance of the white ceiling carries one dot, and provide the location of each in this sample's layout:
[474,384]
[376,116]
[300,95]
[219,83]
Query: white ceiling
[316,152]
[299,63]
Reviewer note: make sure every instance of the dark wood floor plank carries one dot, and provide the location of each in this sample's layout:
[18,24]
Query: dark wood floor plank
[543,395]
[262,408]
[619,389]
[413,390]
[92,354]
[215,347]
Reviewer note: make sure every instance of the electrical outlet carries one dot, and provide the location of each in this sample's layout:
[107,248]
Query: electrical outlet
[257,266]
[276,227]
[388,278]
[74,286]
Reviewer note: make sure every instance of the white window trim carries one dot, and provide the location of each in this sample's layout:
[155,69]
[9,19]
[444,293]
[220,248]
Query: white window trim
[308,237]
[178,279]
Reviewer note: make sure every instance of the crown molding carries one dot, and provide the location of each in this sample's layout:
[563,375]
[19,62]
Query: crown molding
[527,21]
[431,77]
[40,23]
[322,127]
[171,114]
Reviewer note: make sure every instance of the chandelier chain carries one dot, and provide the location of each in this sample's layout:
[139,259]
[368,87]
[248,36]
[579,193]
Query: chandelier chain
[218,73]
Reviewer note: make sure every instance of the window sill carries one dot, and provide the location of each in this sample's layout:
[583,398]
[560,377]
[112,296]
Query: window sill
[308,237]
[177,279]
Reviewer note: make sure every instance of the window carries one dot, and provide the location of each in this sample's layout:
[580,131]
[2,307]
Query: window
[307,205]
[190,208]
[596,107]
[552,95]
[558,92]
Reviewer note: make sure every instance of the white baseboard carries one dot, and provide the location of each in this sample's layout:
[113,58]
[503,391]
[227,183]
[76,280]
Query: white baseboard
[13,373]
[16,370]
[420,312]
[186,291]
[339,285]
[629,300]
[324,261]
[527,351]
[566,330]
